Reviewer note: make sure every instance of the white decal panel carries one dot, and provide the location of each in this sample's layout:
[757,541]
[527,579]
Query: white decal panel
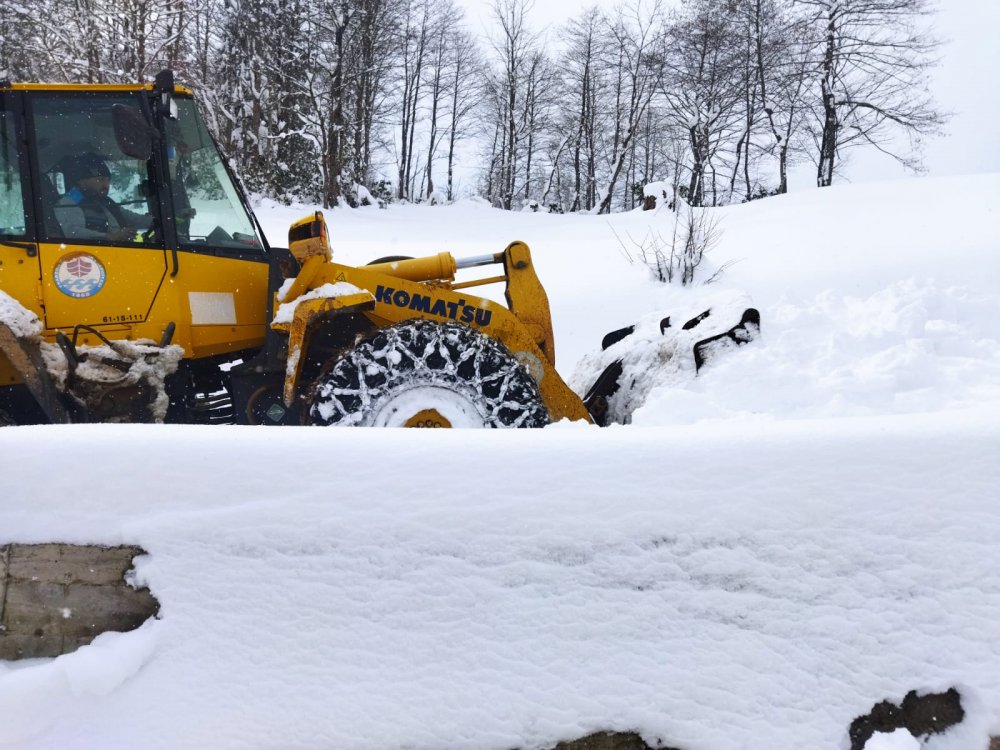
[212,308]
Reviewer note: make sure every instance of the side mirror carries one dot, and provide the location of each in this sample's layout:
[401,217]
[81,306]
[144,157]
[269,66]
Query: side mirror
[135,137]
[163,85]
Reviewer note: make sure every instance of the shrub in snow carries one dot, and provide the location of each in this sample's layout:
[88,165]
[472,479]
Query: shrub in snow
[363,197]
[676,258]
[381,191]
[759,191]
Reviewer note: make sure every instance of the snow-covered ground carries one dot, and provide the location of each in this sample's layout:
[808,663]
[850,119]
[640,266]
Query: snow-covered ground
[809,527]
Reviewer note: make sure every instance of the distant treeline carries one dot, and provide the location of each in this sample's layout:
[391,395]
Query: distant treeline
[348,100]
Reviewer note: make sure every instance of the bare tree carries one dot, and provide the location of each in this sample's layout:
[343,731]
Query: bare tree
[513,46]
[414,47]
[466,91]
[261,101]
[195,56]
[780,59]
[638,45]
[583,87]
[871,60]
[445,20]
[770,65]
[536,116]
[746,37]
[372,64]
[702,88]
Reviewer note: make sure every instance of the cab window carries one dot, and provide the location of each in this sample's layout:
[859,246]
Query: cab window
[12,218]
[91,192]
[207,205]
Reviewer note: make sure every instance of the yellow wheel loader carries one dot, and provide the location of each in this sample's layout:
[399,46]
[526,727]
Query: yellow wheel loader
[136,285]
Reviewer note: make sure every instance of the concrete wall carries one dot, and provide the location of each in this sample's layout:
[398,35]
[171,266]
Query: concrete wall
[55,598]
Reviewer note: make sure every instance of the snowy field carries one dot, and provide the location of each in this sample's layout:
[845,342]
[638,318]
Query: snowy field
[807,528]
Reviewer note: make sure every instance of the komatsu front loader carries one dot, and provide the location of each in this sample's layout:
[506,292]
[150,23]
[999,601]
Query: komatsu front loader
[158,298]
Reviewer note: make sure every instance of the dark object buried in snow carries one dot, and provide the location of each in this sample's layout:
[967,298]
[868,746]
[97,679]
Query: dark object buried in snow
[920,715]
[624,379]
[608,741]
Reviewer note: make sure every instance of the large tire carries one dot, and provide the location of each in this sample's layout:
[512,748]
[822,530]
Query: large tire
[426,374]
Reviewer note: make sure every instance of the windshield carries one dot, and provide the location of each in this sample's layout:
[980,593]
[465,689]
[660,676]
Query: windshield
[12,222]
[209,210]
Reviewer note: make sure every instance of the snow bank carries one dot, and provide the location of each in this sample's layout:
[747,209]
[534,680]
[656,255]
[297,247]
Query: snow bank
[752,586]
[907,348]
[34,694]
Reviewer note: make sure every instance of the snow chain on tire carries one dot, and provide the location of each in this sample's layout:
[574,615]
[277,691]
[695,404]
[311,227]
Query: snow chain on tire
[400,372]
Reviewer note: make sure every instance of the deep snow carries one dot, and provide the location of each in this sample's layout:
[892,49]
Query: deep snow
[807,528]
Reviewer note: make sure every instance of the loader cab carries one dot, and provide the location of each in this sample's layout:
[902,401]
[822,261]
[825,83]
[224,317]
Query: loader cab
[166,236]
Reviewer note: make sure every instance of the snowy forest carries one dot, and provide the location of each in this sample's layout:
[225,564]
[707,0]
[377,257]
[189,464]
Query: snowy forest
[354,101]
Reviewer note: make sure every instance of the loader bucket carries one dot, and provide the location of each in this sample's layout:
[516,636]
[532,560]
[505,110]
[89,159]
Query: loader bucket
[635,358]
[742,333]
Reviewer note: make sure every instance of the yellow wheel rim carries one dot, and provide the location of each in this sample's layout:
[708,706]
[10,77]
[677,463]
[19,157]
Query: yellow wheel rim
[427,418]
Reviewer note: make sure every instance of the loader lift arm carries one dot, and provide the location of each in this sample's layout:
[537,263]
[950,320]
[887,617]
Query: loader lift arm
[397,291]
[525,295]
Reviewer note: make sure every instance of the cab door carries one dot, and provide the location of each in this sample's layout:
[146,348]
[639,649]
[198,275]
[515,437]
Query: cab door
[18,253]
[19,275]
[223,262]
[88,277]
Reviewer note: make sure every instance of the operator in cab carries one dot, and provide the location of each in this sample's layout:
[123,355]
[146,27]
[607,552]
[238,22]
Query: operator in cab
[86,211]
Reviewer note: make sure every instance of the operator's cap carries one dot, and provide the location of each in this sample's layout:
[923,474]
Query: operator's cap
[76,168]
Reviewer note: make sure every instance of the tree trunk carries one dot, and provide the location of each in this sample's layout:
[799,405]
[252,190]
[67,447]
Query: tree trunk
[432,142]
[451,130]
[828,142]
[696,186]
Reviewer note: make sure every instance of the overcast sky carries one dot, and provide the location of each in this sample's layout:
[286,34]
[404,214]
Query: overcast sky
[966,83]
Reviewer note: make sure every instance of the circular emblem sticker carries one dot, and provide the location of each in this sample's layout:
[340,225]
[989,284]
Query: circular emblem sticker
[79,275]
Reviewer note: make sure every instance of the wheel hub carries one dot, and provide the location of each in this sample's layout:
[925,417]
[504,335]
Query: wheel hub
[428,406]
